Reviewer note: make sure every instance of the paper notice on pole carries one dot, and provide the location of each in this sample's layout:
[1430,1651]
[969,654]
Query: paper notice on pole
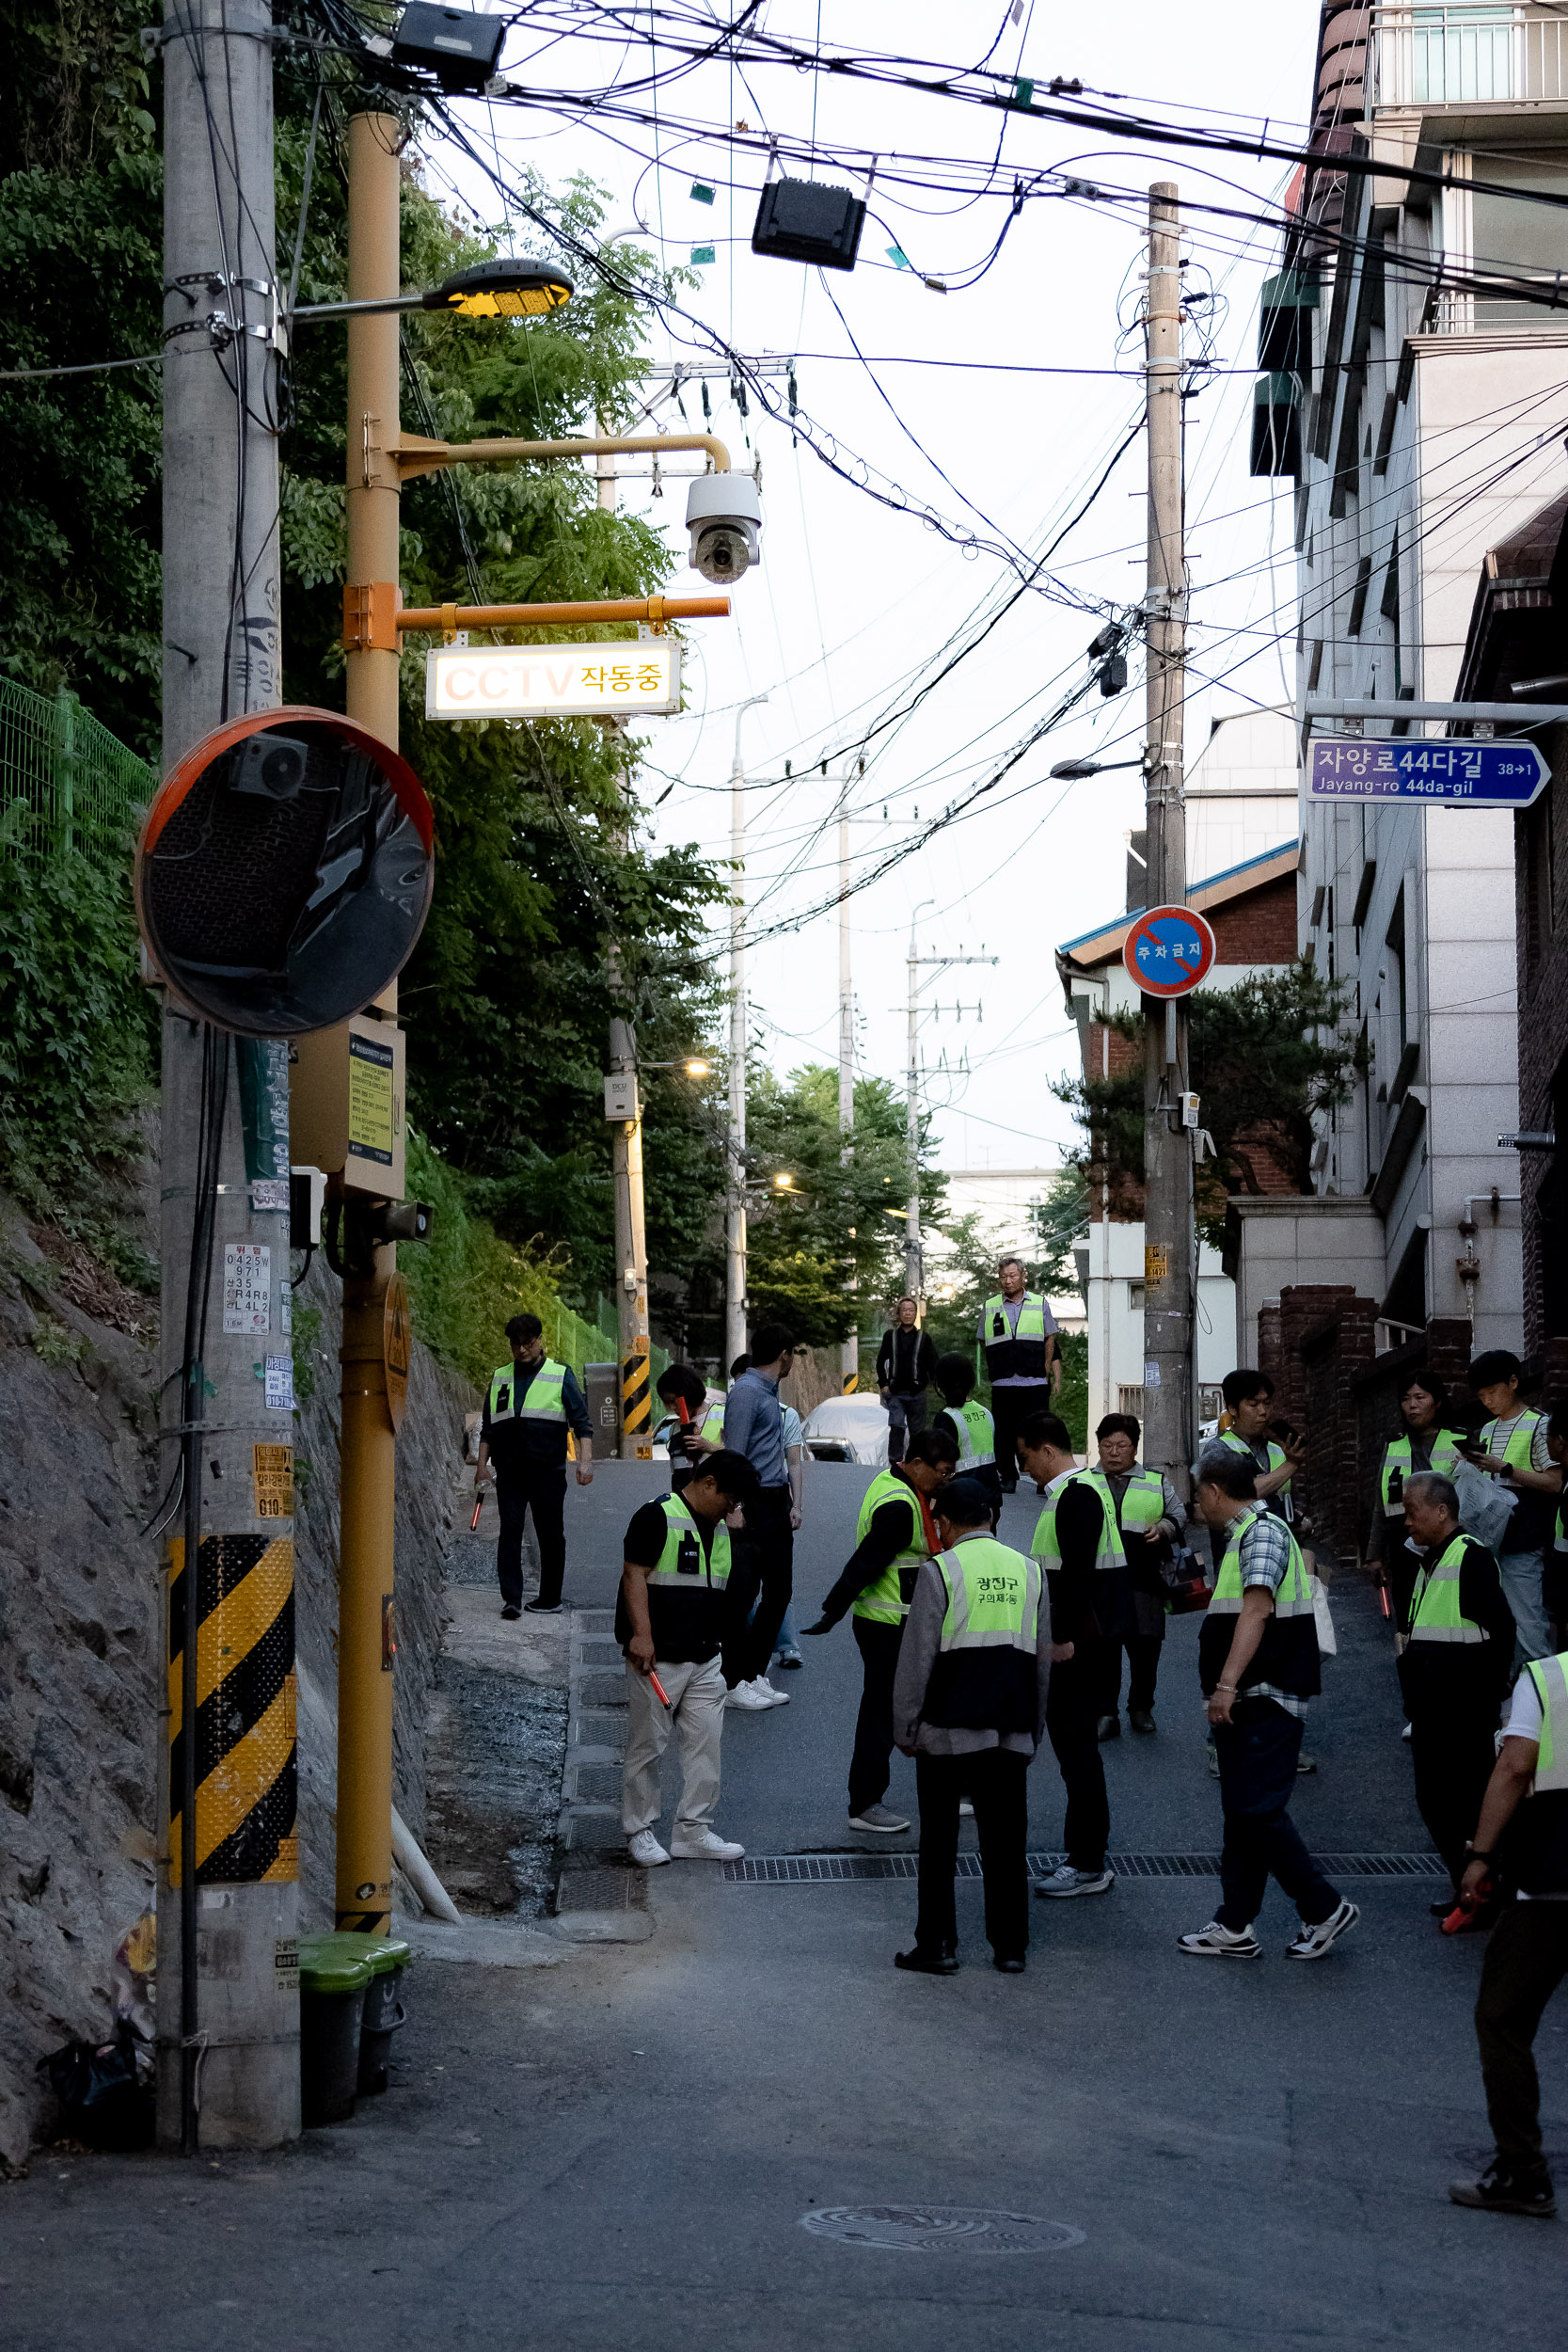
[372,1082]
[1151,1375]
[273,1473]
[280,1384]
[247,1287]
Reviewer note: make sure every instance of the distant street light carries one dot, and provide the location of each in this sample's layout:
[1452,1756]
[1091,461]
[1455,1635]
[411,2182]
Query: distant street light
[784,1183]
[697,1068]
[1073,771]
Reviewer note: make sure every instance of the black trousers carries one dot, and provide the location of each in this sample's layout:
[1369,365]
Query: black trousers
[906,1417]
[1452,1753]
[1143,1663]
[542,1489]
[764,1573]
[1257,1750]
[1010,1408]
[871,1765]
[1525,1960]
[995,1782]
[1072,1711]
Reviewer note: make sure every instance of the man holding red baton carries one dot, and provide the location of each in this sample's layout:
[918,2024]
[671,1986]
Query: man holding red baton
[675,1610]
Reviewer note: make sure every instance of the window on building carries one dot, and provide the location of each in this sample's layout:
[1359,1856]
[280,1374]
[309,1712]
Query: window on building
[1519,240]
[1395,995]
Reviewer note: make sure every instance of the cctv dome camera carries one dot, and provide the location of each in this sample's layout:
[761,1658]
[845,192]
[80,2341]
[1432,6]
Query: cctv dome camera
[724,515]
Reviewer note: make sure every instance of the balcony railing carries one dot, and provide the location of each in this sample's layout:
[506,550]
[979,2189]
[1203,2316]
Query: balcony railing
[1468,55]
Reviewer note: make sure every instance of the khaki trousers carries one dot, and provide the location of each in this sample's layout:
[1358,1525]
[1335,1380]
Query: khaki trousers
[696,1713]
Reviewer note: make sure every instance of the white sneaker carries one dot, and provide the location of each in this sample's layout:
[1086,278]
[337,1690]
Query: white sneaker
[1216,1943]
[769,1696]
[645,1850]
[709,1847]
[747,1696]
[1313,1942]
[966,1811]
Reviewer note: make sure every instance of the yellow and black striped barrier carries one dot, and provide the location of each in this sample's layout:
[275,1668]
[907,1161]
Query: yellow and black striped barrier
[851,1382]
[636,1389]
[245,1697]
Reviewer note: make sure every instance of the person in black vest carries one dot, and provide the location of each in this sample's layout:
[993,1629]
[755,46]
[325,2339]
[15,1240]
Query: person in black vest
[969,1705]
[1454,1668]
[529,1406]
[1258,1661]
[906,1366]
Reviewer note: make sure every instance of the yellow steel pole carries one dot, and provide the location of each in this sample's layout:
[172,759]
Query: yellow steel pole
[368,1445]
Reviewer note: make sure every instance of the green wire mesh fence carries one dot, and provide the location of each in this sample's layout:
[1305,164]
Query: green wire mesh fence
[66,783]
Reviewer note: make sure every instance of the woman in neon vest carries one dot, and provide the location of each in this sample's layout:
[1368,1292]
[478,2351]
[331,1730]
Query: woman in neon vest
[1425,1440]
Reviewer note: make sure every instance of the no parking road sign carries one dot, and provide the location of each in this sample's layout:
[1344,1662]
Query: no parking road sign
[1168,950]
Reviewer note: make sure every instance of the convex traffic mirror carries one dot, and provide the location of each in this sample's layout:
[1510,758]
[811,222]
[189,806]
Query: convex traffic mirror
[284,872]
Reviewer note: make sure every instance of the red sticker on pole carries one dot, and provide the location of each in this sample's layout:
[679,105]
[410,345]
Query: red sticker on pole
[1168,950]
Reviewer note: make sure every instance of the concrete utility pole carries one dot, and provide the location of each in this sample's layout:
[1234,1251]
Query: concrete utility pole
[734,1255]
[849,1360]
[912,1273]
[1168,1233]
[626,1147]
[367,1642]
[228,2017]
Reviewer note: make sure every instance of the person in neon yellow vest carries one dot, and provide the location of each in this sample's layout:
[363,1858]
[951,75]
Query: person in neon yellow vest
[1454,1668]
[973,1426]
[529,1406]
[1426,1439]
[1521,1847]
[1148,1518]
[969,1705]
[1514,1448]
[676,1610]
[1258,1663]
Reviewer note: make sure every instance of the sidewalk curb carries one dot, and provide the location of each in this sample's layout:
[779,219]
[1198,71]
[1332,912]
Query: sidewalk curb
[596,1901]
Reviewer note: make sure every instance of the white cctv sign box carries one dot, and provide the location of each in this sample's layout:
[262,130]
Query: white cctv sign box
[608,681]
[621,1096]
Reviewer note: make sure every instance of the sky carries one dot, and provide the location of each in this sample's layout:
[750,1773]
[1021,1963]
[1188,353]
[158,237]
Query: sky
[999,405]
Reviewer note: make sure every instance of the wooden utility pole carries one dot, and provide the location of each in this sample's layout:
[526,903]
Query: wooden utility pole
[1168,1233]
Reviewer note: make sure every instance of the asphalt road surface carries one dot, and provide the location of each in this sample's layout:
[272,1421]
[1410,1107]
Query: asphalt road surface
[706,2138]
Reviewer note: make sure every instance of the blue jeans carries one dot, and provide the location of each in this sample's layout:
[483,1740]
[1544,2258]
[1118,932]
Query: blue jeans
[786,1640]
[1520,1573]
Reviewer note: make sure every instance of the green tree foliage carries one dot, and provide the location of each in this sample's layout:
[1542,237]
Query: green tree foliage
[76,1035]
[1266,1057]
[832,1223]
[1056,1220]
[80,279]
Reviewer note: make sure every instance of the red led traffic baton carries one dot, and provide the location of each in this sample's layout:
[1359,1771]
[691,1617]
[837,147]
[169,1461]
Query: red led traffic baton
[659,1685]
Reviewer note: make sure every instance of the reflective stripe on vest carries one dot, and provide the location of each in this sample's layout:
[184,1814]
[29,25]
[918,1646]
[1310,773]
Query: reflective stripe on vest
[976,1432]
[1550,1678]
[542,1399]
[1277,1458]
[1434,1604]
[883,1602]
[1292,1596]
[1108,1552]
[993,1596]
[1031,1319]
[1521,1441]
[1397,1456]
[1044,1545]
[681,1535]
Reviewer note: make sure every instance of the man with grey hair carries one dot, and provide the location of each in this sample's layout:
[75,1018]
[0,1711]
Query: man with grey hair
[1018,1332]
[1454,1668]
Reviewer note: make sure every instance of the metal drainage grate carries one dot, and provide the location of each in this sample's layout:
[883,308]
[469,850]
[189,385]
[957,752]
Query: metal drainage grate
[814,1869]
[602,1890]
[941,2230]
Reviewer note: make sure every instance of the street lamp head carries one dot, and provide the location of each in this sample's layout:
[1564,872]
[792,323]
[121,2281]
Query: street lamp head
[784,1183]
[697,1068]
[1072,771]
[502,289]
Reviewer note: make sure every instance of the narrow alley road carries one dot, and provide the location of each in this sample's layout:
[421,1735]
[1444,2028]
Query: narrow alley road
[646,2146]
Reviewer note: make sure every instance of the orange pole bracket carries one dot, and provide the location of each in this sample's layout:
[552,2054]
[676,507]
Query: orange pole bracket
[654,610]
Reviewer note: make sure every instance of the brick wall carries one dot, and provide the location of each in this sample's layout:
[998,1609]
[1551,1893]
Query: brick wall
[1312,1344]
[1258,927]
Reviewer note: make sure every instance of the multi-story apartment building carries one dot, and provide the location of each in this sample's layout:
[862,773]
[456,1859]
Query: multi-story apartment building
[1418,397]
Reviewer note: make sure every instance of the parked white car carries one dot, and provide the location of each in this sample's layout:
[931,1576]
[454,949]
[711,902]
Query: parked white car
[849,1429]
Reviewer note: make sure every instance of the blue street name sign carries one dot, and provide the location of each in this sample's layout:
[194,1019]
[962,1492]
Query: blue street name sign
[1461,772]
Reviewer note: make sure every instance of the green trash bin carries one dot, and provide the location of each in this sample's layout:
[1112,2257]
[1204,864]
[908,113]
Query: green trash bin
[390,1958]
[334,1974]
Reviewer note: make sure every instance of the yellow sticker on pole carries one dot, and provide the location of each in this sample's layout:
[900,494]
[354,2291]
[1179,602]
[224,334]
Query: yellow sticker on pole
[273,1476]
[1156,1262]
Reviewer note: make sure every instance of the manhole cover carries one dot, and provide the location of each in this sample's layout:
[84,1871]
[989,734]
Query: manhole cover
[941,2229]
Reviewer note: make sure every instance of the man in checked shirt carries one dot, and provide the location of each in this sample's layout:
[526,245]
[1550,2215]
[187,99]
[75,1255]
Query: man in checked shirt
[1258,1658]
